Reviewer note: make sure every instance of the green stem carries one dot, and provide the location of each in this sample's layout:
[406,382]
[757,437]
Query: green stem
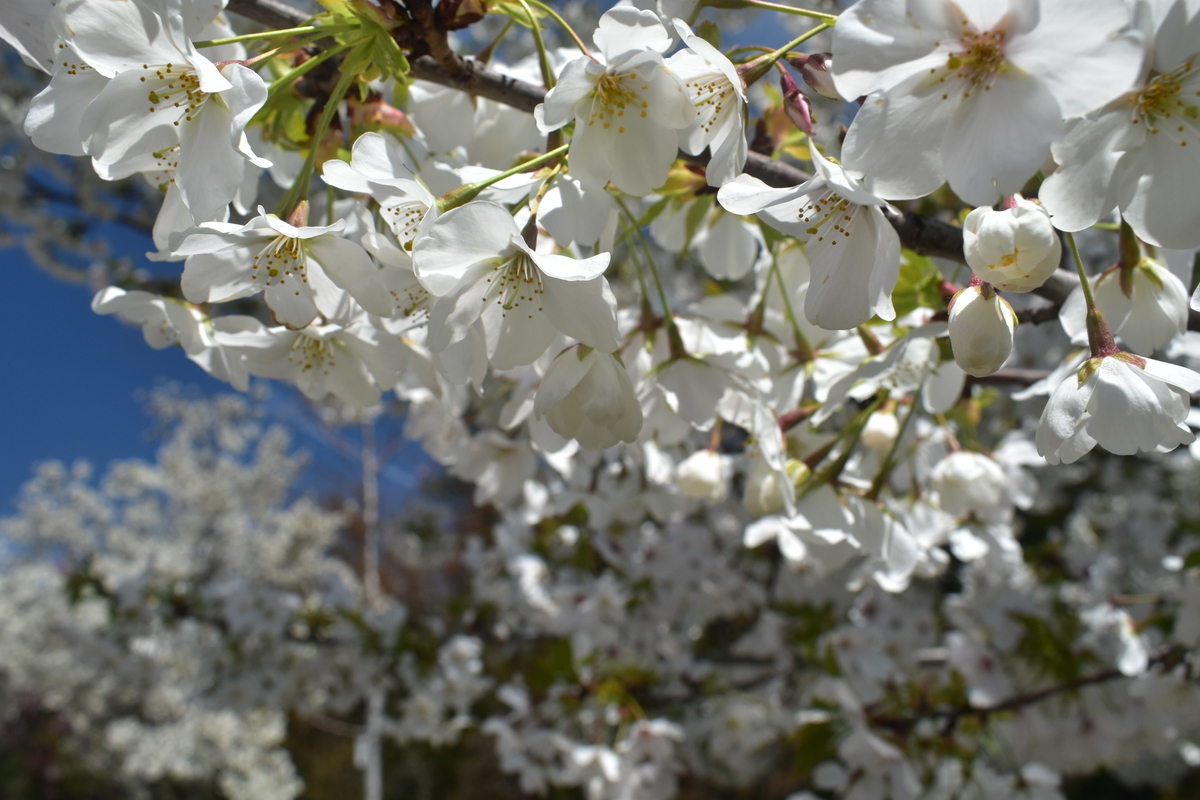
[751,71]
[804,349]
[570,31]
[543,56]
[289,77]
[889,460]
[828,19]
[465,194]
[485,55]
[1088,297]
[662,292]
[851,435]
[320,30]
[299,190]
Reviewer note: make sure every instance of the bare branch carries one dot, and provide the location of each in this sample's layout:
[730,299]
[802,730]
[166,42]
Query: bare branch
[1167,657]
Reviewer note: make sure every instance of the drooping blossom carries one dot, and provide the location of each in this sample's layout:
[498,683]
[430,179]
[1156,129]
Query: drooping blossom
[853,252]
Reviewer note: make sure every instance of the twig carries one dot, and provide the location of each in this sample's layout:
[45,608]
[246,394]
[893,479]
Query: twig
[922,234]
[952,714]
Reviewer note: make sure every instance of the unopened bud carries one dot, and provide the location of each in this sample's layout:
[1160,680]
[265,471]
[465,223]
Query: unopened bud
[795,104]
[981,330]
[1015,249]
[881,431]
[815,71]
[704,475]
[299,216]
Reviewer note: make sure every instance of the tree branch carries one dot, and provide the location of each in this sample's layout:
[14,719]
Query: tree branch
[922,234]
[1167,657]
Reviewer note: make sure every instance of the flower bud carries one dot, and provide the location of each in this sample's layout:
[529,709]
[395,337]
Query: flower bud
[970,483]
[981,330]
[1016,249]
[881,431]
[795,104]
[704,475]
[815,71]
[764,493]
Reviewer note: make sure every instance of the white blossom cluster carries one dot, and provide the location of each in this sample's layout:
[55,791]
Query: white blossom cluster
[738,435]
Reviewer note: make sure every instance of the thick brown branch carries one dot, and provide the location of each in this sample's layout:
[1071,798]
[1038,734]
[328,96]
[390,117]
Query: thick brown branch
[922,234]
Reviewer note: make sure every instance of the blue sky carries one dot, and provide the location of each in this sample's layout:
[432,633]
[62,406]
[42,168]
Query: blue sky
[73,379]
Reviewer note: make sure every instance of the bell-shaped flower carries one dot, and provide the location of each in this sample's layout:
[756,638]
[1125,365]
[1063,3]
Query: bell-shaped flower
[717,92]
[1146,309]
[380,168]
[1122,402]
[981,330]
[587,396]
[704,475]
[299,268]
[1139,152]
[881,430]
[1015,249]
[971,483]
[853,252]
[475,261]
[626,107]
[974,92]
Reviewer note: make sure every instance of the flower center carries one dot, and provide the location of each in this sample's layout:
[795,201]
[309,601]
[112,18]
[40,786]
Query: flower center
[832,214]
[982,56]
[514,282]
[313,354]
[1163,104]
[404,218]
[613,96]
[710,95]
[175,87]
[282,257]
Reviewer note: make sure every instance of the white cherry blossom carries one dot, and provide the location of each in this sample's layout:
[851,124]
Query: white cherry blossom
[626,108]
[853,252]
[586,395]
[380,168]
[354,361]
[1122,402]
[717,91]
[474,259]
[1139,152]
[974,92]
[1151,316]
[299,268]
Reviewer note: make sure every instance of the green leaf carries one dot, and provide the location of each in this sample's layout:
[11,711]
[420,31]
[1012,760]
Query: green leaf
[709,32]
[918,284]
[1192,561]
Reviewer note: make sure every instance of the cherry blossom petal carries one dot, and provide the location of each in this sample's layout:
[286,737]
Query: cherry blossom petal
[998,139]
